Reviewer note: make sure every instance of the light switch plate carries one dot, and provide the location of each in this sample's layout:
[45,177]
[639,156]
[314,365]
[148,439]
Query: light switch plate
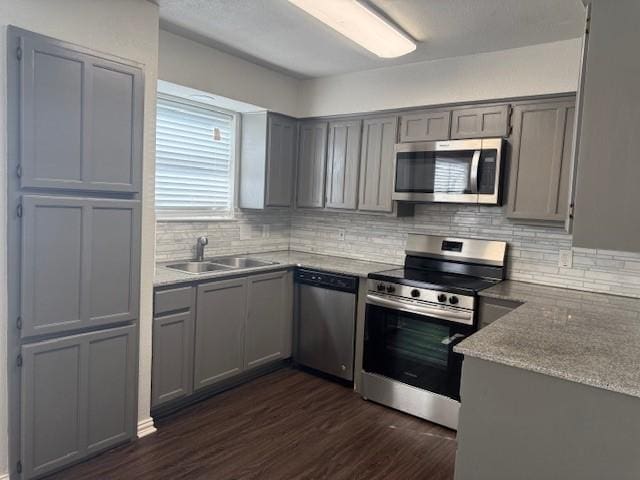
[565,258]
[341,235]
[265,230]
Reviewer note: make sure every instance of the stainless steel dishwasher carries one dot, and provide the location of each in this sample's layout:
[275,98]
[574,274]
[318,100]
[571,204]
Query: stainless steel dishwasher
[325,321]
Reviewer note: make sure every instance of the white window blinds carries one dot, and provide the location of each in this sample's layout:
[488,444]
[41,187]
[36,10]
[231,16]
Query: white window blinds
[194,159]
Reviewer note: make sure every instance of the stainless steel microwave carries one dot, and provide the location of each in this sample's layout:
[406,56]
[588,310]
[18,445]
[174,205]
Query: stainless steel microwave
[455,171]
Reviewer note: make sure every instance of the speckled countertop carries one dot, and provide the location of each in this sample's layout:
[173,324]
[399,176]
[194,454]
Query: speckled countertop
[285,259]
[584,337]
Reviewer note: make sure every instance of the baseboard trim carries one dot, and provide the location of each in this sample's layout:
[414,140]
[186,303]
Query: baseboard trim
[145,427]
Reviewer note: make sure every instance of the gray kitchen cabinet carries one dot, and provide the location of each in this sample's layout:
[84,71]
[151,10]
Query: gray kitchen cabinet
[608,170]
[480,122]
[269,318]
[78,397]
[269,145]
[425,126]
[312,156]
[220,326]
[81,118]
[80,263]
[376,164]
[173,344]
[491,309]
[343,160]
[542,143]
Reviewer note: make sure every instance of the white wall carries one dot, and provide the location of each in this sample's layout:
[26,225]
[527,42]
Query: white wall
[127,28]
[535,70]
[198,66]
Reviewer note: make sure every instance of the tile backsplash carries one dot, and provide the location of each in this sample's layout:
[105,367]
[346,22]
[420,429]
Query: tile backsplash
[533,253]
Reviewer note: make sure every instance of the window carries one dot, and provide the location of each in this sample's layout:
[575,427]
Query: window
[194,160]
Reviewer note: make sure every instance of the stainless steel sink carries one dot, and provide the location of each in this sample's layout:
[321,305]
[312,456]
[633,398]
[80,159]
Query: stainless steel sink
[197,267]
[240,262]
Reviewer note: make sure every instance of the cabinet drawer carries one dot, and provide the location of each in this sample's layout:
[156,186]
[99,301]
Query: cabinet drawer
[173,300]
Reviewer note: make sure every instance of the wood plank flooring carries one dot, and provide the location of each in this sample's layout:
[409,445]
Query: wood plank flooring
[286,425]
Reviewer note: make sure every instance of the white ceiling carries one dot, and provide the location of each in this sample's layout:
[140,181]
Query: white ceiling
[277,34]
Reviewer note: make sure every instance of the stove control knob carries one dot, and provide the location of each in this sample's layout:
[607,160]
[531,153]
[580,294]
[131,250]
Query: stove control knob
[391,289]
[380,287]
[415,293]
[453,300]
[442,297]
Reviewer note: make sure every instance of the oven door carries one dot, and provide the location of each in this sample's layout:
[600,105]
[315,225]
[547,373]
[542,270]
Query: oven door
[414,348]
[459,171]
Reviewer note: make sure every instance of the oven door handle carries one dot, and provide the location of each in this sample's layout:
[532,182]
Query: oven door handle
[473,174]
[443,314]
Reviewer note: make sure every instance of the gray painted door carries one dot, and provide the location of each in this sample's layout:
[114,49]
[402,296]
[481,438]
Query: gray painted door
[343,160]
[312,155]
[78,397]
[480,122]
[281,152]
[376,164]
[80,263]
[541,161]
[81,119]
[173,346]
[269,313]
[425,126]
[607,193]
[220,319]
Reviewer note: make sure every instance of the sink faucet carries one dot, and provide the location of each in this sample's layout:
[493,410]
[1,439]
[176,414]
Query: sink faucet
[201,243]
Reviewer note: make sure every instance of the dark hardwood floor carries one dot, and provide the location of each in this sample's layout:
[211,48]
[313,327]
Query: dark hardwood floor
[286,425]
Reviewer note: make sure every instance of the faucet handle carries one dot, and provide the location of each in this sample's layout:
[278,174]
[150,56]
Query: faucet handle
[203,241]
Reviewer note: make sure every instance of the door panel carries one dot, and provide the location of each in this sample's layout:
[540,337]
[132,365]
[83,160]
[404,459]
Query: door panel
[93,246]
[343,160]
[281,148]
[311,165]
[425,126]
[480,122]
[376,164]
[267,316]
[220,318]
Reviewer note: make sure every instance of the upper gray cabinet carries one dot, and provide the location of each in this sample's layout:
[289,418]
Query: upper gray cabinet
[343,160]
[312,156]
[425,126]
[542,143]
[267,160]
[376,164]
[480,122]
[78,397]
[608,171]
[80,263]
[80,119]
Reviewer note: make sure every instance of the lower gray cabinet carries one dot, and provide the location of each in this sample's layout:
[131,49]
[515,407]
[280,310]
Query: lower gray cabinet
[173,344]
[269,318]
[220,321]
[78,397]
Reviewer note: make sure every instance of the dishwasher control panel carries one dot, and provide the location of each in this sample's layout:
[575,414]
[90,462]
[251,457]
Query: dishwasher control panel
[335,281]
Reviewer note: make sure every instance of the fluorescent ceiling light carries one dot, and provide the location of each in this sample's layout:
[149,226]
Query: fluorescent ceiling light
[359,24]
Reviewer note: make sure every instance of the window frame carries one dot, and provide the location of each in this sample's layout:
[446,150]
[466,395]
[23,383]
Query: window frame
[164,214]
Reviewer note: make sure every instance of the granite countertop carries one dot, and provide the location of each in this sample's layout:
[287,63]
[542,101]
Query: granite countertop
[584,337]
[285,259]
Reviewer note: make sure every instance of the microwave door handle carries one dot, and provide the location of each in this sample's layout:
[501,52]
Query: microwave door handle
[475,168]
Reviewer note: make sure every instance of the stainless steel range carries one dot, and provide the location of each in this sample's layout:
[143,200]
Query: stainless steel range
[416,315]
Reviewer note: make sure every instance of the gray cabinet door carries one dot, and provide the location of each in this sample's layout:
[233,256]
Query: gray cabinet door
[343,160]
[269,311]
[173,345]
[78,397]
[81,118]
[220,319]
[312,155]
[376,164]
[541,161]
[80,263]
[425,126]
[281,152]
[479,122]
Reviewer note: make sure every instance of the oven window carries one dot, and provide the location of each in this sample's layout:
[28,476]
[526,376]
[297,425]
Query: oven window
[412,349]
[434,172]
